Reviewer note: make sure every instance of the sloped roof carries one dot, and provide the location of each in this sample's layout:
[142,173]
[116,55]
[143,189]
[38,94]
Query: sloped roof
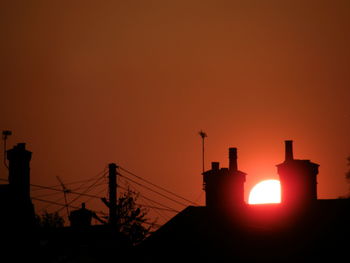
[198,233]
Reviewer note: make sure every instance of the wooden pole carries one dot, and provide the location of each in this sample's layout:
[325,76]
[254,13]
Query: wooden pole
[112,193]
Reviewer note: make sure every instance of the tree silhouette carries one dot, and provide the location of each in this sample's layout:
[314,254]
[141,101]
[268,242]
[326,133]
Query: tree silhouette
[49,220]
[131,218]
[347,175]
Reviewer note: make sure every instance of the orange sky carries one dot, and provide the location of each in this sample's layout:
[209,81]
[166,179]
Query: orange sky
[132,82]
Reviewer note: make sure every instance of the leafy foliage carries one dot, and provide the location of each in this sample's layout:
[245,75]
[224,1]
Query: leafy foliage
[131,218]
[347,175]
[49,220]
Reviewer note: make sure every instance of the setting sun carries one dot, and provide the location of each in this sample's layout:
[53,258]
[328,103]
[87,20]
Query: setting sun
[265,192]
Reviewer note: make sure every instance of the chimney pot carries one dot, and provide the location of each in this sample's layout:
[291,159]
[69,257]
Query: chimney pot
[215,166]
[233,159]
[21,146]
[289,150]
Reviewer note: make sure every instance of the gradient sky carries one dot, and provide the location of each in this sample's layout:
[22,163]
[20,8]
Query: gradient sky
[85,83]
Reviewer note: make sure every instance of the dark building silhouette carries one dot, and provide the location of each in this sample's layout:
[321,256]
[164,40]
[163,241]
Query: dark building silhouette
[298,179]
[256,233]
[15,203]
[224,188]
[17,216]
[225,230]
[81,217]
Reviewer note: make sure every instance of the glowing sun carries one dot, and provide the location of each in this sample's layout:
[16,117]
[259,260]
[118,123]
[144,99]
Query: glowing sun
[265,192]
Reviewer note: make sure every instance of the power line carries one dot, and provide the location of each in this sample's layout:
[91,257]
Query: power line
[53,202]
[37,198]
[98,212]
[57,200]
[77,182]
[71,192]
[45,195]
[84,193]
[99,197]
[150,189]
[165,208]
[159,187]
[157,211]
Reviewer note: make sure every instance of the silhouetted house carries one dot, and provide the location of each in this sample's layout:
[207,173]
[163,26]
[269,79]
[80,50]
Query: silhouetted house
[256,233]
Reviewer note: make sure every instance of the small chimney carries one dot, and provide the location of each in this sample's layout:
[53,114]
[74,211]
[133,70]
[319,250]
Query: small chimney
[289,150]
[232,159]
[215,166]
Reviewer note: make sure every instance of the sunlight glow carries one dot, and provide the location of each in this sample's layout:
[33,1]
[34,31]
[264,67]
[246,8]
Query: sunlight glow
[265,192]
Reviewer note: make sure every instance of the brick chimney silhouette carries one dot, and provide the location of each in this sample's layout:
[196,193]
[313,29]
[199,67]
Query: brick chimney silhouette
[224,188]
[20,206]
[298,178]
[19,170]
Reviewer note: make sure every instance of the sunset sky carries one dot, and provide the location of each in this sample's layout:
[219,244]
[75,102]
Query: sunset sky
[86,83]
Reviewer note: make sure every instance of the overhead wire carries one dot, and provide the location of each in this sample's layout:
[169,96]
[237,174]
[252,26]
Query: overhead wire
[84,193]
[157,210]
[95,196]
[94,184]
[150,189]
[74,182]
[157,186]
[163,208]
[47,194]
[53,203]
[153,201]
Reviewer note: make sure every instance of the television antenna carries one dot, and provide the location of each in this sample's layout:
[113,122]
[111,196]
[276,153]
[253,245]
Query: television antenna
[5,134]
[203,135]
[65,192]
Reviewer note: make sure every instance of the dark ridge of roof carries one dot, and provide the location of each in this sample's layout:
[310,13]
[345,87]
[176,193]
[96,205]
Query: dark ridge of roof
[198,233]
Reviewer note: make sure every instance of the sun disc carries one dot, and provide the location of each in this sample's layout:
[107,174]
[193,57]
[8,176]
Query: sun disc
[265,192]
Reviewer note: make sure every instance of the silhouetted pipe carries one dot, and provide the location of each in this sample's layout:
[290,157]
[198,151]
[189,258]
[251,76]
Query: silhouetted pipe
[289,150]
[233,159]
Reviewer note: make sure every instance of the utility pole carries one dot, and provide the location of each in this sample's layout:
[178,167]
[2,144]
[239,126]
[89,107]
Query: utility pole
[203,135]
[112,193]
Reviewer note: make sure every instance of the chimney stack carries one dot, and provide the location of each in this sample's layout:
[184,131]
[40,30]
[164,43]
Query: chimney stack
[233,159]
[289,150]
[19,170]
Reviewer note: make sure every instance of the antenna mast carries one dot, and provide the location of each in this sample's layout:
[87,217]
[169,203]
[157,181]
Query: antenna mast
[203,135]
[5,134]
[65,192]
